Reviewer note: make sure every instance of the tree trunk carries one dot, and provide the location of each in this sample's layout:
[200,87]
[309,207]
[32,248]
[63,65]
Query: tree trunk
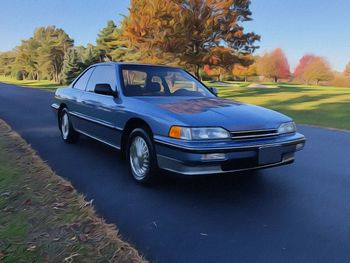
[317,82]
[276,79]
[196,72]
[245,78]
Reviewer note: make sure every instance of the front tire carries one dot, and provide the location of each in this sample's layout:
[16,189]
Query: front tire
[141,157]
[68,134]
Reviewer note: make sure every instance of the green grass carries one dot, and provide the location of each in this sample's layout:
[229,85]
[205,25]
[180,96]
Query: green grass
[42,84]
[313,105]
[43,218]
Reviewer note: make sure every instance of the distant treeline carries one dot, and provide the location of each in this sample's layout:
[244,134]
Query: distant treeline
[206,37]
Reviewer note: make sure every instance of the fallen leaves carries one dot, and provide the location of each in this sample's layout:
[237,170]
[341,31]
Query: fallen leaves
[60,205]
[52,221]
[31,248]
[8,209]
[70,258]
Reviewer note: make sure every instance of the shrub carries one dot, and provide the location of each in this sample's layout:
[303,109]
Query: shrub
[19,75]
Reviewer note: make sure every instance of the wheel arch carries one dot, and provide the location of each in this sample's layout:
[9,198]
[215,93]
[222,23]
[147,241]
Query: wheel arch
[130,125]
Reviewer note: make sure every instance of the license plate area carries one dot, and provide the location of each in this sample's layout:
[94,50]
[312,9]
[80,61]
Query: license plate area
[269,155]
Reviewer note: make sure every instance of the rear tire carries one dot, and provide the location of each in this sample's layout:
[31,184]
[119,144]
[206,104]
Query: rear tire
[68,134]
[141,157]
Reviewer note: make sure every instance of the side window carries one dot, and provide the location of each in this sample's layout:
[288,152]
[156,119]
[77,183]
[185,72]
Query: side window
[102,75]
[83,80]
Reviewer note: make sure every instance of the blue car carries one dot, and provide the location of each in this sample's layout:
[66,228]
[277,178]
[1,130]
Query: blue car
[162,117]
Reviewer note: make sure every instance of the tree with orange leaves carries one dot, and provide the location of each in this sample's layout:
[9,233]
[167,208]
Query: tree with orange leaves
[318,70]
[221,60]
[313,68]
[189,32]
[274,65]
[244,72]
[303,62]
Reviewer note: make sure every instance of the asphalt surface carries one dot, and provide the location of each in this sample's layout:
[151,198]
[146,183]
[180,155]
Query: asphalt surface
[296,213]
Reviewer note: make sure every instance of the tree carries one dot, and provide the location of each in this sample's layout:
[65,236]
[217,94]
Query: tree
[221,60]
[41,56]
[186,31]
[274,65]
[340,80]
[7,60]
[245,72]
[214,71]
[303,62]
[88,55]
[109,43]
[313,68]
[347,70]
[318,70]
[27,59]
[53,43]
[72,66]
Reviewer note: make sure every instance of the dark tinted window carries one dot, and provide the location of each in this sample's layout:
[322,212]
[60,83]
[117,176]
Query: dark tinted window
[102,75]
[83,80]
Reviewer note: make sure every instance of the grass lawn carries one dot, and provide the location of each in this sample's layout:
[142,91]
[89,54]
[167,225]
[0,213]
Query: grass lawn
[43,218]
[314,105]
[43,84]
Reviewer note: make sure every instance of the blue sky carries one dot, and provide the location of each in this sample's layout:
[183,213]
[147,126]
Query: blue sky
[298,26]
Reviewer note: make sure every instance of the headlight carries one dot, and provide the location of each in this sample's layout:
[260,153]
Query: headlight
[205,133]
[288,127]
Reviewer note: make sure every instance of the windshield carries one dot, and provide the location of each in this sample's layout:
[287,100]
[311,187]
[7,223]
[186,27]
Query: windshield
[140,80]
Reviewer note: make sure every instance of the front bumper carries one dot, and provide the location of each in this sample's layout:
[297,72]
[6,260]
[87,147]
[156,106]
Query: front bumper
[189,158]
[55,107]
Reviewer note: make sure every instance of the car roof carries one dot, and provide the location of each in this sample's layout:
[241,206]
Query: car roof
[134,64]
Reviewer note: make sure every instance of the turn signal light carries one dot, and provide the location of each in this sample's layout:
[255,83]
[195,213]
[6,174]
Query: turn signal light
[175,132]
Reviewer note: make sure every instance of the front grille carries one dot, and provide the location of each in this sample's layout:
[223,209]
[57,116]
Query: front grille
[253,134]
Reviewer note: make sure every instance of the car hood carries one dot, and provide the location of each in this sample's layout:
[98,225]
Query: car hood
[231,115]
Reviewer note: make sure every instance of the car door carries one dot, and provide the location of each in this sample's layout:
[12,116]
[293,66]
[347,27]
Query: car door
[101,111]
[74,102]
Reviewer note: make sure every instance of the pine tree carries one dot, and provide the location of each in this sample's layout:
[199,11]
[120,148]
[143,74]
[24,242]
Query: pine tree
[89,55]
[72,66]
[27,59]
[109,43]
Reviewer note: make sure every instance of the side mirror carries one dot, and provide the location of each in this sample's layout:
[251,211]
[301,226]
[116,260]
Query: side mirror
[213,90]
[104,89]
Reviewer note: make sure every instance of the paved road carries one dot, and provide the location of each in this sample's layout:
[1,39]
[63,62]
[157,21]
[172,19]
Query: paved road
[297,213]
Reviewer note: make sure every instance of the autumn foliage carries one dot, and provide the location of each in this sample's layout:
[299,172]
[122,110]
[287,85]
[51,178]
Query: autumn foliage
[190,33]
[313,68]
[274,65]
[242,71]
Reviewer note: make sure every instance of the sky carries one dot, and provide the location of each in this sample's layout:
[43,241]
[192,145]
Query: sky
[319,27]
